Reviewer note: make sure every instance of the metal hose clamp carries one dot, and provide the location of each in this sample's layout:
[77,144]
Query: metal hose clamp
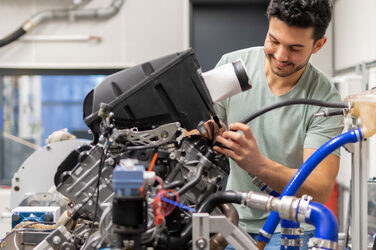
[292,231]
[291,242]
[265,234]
[303,212]
[321,243]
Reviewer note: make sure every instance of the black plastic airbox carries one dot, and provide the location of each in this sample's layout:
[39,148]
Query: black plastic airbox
[154,93]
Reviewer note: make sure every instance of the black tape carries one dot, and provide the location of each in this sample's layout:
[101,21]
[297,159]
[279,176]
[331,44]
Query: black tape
[241,74]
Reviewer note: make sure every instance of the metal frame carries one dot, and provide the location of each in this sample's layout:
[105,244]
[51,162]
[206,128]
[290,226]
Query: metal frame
[203,224]
[359,203]
[1,127]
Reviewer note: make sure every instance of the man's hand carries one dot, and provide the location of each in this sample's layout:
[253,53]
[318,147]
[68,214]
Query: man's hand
[242,149]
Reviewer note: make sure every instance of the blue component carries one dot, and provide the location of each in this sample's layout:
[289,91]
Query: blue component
[324,220]
[18,217]
[127,181]
[305,169]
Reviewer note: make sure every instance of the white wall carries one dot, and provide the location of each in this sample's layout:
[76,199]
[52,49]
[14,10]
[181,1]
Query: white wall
[355,36]
[323,58]
[142,30]
[355,40]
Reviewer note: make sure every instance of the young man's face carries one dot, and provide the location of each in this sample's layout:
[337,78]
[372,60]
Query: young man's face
[288,49]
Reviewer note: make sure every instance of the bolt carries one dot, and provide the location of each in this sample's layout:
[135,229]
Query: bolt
[111,161]
[56,240]
[47,217]
[164,134]
[201,243]
[172,156]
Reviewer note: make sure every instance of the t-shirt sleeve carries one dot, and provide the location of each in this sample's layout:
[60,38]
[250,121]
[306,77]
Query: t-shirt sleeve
[323,129]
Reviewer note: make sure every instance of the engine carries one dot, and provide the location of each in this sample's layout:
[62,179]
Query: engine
[136,185]
[129,192]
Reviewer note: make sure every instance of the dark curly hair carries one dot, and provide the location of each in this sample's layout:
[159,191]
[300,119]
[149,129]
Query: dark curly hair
[303,13]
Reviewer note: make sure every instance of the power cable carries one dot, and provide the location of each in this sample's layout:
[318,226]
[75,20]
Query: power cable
[268,108]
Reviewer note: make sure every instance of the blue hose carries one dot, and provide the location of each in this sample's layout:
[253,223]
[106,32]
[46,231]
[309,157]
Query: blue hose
[303,172]
[325,222]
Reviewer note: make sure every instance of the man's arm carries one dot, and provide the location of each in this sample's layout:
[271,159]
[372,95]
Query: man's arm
[244,151]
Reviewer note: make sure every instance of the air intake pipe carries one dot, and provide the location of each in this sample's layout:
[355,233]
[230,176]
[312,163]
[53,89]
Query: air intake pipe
[227,80]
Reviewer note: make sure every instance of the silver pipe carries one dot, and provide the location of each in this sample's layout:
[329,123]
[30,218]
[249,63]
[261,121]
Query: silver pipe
[353,68]
[109,11]
[71,13]
[286,206]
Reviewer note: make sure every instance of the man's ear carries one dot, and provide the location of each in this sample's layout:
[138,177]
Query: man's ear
[319,44]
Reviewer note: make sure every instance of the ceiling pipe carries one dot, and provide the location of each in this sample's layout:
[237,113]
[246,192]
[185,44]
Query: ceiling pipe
[74,14]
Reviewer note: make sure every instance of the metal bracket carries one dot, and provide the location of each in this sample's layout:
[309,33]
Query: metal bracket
[204,224]
[154,137]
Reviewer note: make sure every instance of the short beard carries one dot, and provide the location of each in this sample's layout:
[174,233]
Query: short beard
[290,73]
[268,56]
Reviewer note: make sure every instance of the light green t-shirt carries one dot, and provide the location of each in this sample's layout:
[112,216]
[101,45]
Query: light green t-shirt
[281,134]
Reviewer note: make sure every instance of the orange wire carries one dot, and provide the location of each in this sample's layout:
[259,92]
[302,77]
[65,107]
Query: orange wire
[153,162]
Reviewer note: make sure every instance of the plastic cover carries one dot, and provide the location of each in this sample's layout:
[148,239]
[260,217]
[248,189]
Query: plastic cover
[151,94]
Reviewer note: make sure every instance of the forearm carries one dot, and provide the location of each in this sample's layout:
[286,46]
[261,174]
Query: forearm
[277,176]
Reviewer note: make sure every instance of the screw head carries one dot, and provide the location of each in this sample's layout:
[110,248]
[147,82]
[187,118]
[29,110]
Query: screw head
[47,217]
[201,243]
[56,240]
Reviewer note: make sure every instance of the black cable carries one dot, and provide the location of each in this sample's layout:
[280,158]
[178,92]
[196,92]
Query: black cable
[175,242]
[96,190]
[174,184]
[220,198]
[12,37]
[292,102]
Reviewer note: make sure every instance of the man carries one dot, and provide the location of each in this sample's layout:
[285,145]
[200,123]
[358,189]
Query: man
[274,145]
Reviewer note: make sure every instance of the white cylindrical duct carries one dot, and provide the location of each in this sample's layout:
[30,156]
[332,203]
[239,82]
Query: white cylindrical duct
[227,80]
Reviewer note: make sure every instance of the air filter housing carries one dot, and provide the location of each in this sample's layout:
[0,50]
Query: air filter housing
[151,94]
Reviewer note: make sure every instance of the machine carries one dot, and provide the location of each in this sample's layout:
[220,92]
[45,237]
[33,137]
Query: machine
[145,183]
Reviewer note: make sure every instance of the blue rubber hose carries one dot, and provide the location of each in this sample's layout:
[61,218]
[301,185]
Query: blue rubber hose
[303,172]
[325,222]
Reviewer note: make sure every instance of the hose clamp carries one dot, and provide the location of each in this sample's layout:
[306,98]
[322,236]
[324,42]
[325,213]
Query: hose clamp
[358,136]
[265,234]
[303,211]
[243,201]
[256,181]
[292,231]
[291,242]
[322,244]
